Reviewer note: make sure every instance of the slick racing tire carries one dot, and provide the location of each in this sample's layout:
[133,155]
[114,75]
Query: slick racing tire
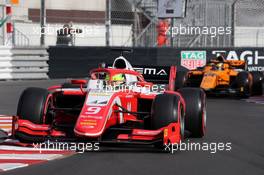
[33,106]
[181,79]
[244,84]
[257,86]
[195,117]
[166,109]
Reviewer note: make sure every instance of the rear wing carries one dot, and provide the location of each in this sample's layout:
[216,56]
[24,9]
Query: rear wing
[155,74]
[238,64]
[159,75]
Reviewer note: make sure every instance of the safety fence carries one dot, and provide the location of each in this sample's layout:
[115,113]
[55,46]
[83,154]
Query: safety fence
[135,23]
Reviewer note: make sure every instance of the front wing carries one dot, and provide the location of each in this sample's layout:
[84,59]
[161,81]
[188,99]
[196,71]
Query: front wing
[125,135]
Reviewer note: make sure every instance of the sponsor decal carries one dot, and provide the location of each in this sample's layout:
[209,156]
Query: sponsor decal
[88,122]
[100,94]
[254,58]
[157,70]
[151,71]
[98,99]
[93,110]
[193,59]
[94,117]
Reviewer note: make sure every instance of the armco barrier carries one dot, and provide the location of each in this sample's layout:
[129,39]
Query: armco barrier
[23,63]
[72,62]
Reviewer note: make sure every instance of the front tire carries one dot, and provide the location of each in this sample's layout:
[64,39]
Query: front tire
[33,106]
[166,109]
[195,117]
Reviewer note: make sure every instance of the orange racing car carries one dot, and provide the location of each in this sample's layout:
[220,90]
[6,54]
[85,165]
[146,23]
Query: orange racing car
[221,76]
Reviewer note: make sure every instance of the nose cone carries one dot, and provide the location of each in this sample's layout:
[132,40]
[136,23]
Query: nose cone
[96,111]
[92,126]
[209,81]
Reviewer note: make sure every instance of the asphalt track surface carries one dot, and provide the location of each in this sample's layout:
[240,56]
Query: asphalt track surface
[229,120]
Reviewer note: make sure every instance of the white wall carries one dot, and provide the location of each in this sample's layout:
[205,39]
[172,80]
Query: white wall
[249,36]
[97,5]
[93,34]
[90,5]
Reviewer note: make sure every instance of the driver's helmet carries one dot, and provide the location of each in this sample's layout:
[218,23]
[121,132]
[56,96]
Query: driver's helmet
[220,58]
[220,66]
[117,79]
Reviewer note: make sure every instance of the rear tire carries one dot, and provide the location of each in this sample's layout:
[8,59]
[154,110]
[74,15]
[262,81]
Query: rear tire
[244,84]
[195,117]
[181,79]
[257,87]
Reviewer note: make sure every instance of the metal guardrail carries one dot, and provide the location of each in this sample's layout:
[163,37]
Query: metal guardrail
[23,63]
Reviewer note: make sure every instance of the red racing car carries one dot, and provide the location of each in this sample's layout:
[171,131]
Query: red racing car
[116,105]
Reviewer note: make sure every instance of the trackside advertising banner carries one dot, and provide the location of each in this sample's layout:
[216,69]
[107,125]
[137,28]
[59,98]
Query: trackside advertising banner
[191,59]
[153,63]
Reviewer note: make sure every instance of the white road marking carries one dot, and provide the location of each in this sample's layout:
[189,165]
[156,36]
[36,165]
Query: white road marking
[30,156]
[5,121]
[17,148]
[11,166]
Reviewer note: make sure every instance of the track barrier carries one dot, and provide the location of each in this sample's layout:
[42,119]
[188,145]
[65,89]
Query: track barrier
[23,63]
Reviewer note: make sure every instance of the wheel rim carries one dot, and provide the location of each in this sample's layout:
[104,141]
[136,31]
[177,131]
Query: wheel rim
[182,125]
[47,107]
[204,118]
